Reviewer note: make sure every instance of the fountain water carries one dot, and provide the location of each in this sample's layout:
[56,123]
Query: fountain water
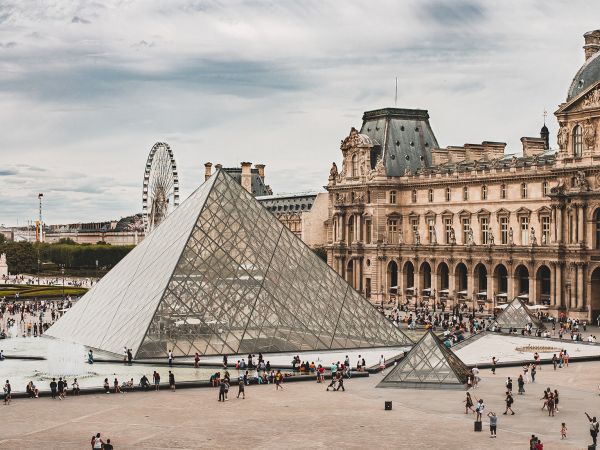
[13,330]
[65,358]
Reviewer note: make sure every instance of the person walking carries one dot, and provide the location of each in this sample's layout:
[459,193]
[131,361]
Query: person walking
[493,422]
[533,373]
[593,427]
[563,431]
[509,402]
[509,384]
[554,361]
[172,381]
[521,384]
[97,442]
[551,405]
[241,388]
[556,400]
[468,403]
[278,380]
[61,388]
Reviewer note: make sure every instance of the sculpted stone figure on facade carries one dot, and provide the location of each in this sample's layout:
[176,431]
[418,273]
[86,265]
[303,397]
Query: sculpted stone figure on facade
[581,181]
[452,236]
[563,136]
[417,238]
[333,172]
[400,236]
[589,134]
[533,238]
[592,99]
[490,238]
[353,140]
[433,236]
[511,236]
[470,238]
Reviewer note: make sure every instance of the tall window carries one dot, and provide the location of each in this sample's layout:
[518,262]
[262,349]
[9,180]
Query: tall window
[485,232]
[431,230]
[466,227]
[354,166]
[465,193]
[393,197]
[448,229]
[368,196]
[351,230]
[577,141]
[523,190]
[393,231]
[413,196]
[414,223]
[546,229]
[502,191]
[484,192]
[367,231]
[448,196]
[524,230]
[430,195]
[504,230]
[545,189]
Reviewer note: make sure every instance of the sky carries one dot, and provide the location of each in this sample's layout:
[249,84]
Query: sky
[87,87]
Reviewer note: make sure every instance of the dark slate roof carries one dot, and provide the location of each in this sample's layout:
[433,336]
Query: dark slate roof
[405,137]
[259,187]
[586,76]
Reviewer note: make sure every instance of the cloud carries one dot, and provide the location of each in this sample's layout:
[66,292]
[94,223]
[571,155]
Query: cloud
[255,80]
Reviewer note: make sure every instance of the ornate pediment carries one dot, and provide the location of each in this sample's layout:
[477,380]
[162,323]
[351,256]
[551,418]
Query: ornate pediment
[483,212]
[355,140]
[464,212]
[523,212]
[502,212]
[587,100]
[544,211]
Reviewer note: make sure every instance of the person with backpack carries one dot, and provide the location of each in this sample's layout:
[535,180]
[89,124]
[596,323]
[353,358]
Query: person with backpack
[53,387]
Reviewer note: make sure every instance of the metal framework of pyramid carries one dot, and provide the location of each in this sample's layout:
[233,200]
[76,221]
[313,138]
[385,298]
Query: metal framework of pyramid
[517,315]
[428,365]
[221,275]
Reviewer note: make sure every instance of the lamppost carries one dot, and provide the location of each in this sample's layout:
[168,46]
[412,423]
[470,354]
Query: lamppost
[96,270]
[38,268]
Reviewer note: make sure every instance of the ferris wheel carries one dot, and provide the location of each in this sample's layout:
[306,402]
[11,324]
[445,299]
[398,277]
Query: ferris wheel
[161,186]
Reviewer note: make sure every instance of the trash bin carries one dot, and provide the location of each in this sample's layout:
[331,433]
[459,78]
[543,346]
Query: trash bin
[477,426]
[388,406]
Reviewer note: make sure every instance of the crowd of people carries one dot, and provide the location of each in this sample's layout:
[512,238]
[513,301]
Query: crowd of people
[30,318]
[29,280]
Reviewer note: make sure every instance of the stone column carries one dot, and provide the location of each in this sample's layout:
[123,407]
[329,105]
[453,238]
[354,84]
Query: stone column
[558,291]
[490,286]
[580,286]
[559,225]
[510,285]
[532,288]
[417,285]
[451,283]
[552,282]
[581,221]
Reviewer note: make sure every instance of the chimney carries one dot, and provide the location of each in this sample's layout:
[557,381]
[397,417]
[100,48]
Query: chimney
[592,43]
[533,146]
[246,178]
[261,170]
[207,170]
[218,166]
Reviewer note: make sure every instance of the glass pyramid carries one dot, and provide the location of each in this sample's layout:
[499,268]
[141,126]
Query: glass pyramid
[517,315]
[429,365]
[221,275]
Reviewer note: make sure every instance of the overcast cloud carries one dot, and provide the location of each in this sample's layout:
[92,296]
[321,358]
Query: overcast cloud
[87,87]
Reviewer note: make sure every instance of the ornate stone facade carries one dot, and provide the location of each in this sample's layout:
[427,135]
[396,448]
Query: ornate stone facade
[410,221]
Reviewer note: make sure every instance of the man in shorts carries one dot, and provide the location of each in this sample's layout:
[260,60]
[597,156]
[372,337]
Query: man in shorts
[493,422]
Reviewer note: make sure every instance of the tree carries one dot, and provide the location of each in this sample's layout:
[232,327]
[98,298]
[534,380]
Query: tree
[2,238]
[20,256]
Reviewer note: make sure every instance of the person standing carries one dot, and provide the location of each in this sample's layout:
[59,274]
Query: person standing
[468,403]
[493,422]
[509,384]
[222,388]
[53,387]
[494,361]
[156,379]
[125,354]
[563,431]
[521,384]
[382,363]
[554,361]
[509,402]
[197,360]
[108,445]
[593,427]
[7,393]
[61,388]
[170,358]
[98,442]
[479,409]
[556,400]
[129,357]
[533,373]
[475,372]
[551,404]
[172,381]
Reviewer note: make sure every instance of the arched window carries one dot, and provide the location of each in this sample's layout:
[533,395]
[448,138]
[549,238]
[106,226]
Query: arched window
[577,141]
[465,193]
[503,191]
[430,195]
[448,196]
[484,192]
[354,166]
[523,190]
[413,196]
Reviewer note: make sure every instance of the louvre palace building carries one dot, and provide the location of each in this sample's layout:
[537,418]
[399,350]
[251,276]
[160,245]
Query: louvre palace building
[409,221]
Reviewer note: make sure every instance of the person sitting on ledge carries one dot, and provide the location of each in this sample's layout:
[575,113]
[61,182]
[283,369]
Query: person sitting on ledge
[106,386]
[129,385]
[144,383]
[32,391]
[75,386]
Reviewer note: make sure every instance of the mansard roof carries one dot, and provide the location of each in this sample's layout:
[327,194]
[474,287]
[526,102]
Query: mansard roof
[404,136]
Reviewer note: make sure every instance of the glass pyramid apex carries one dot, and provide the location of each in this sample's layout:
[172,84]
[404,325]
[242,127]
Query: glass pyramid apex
[221,275]
[428,365]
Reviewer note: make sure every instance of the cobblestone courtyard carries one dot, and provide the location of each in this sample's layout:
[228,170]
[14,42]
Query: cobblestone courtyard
[304,415]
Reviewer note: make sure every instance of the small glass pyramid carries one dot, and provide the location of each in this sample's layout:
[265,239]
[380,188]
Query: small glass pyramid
[517,315]
[429,365]
[221,275]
